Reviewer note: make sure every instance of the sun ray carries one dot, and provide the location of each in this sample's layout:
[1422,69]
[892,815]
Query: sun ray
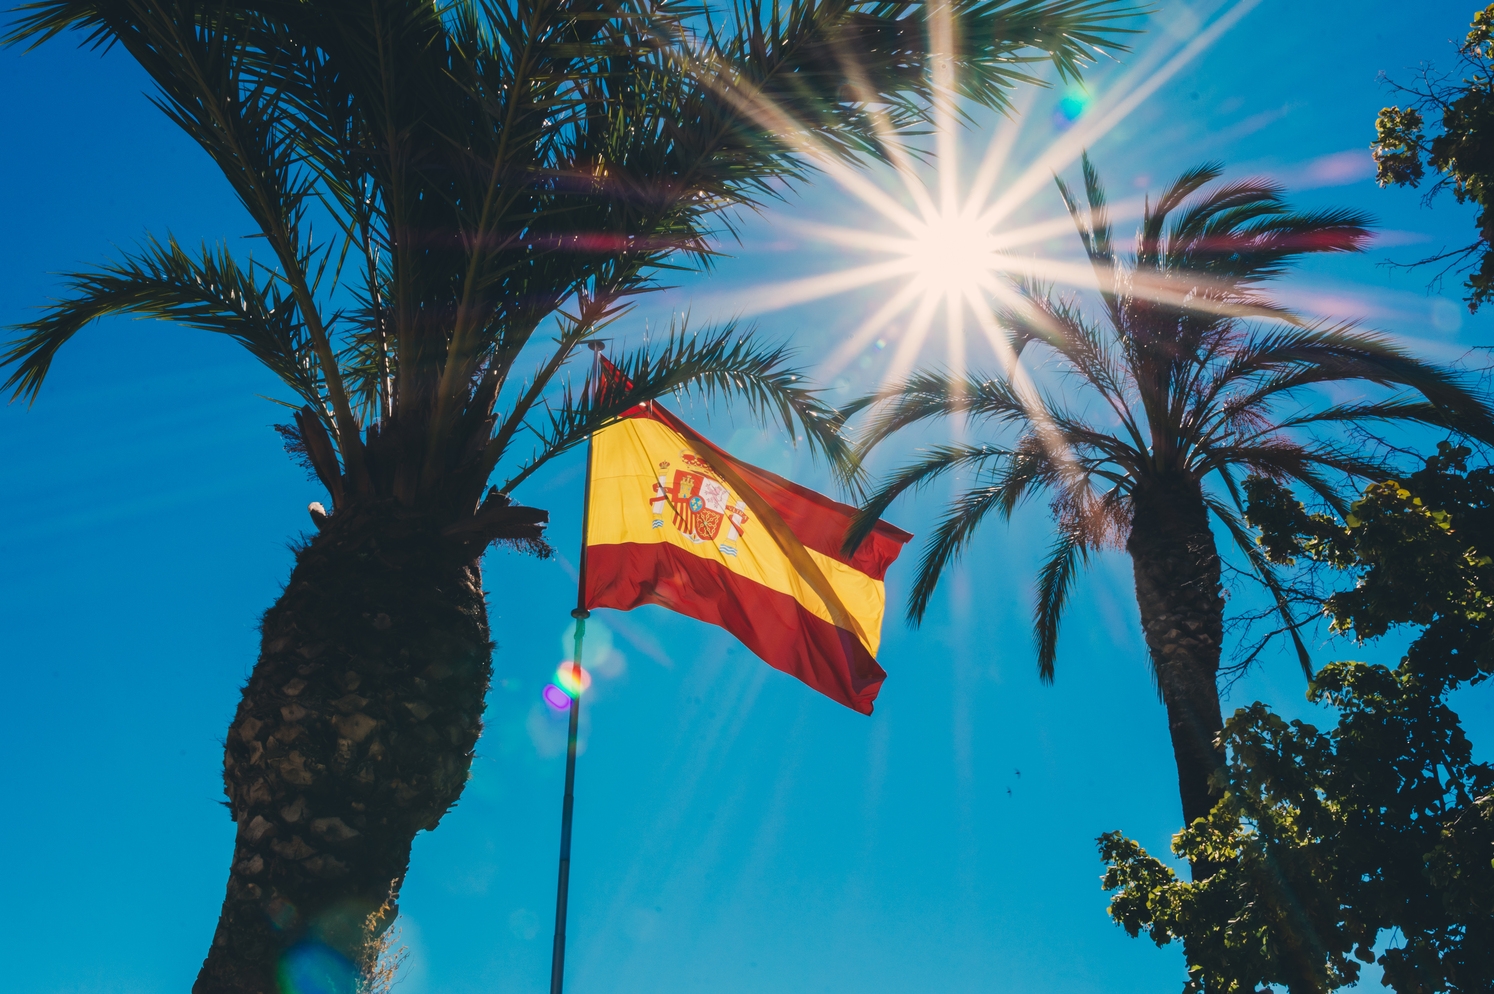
[946,119]
[852,238]
[954,311]
[1049,434]
[954,327]
[863,335]
[765,298]
[1155,289]
[891,143]
[913,339]
[1068,148]
[1015,238]
[998,152]
[766,113]
[997,242]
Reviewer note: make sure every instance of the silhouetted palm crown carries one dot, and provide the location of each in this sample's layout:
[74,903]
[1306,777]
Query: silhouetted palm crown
[484,167]
[1194,374]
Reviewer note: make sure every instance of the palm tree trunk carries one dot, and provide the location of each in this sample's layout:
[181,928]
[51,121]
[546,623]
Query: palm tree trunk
[1182,615]
[355,731]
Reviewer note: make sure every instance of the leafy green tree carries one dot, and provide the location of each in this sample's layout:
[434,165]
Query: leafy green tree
[1461,150]
[1194,379]
[1329,842]
[488,169]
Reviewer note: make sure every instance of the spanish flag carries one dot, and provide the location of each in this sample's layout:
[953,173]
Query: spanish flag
[673,520]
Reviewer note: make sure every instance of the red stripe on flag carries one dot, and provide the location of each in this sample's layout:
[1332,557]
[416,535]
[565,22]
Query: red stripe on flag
[773,625]
[817,521]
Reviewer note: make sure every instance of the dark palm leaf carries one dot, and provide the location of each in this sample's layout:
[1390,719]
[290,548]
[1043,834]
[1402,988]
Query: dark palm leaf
[1233,518]
[721,363]
[938,461]
[955,530]
[209,291]
[1055,581]
[934,394]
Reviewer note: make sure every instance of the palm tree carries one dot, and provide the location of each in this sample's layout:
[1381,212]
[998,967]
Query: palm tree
[1195,377]
[486,168]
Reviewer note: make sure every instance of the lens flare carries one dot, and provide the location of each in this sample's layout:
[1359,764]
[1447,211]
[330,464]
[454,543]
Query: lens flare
[555,697]
[312,968]
[1071,105]
[572,679]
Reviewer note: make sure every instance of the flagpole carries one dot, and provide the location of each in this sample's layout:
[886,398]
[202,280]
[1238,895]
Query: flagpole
[580,613]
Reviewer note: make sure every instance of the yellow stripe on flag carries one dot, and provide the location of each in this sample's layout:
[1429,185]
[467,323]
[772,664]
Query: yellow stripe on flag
[631,504]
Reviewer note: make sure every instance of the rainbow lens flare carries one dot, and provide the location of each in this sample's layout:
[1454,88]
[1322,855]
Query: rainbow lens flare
[1073,104]
[555,697]
[572,679]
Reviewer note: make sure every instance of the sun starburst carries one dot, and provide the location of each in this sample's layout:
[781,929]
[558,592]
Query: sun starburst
[947,247]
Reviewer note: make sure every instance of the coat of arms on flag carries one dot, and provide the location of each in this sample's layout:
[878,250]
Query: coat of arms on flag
[699,503]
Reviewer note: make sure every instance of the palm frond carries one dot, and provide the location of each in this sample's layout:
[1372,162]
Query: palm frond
[937,462]
[1029,467]
[1394,411]
[1286,458]
[1055,581]
[719,363]
[795,56]
[209,291]
[1230,517]
[1095,233]
[934,394]
[1292,358]
[1149,238]
[1060,324]
[1093,220]
[956,528]
[201,59]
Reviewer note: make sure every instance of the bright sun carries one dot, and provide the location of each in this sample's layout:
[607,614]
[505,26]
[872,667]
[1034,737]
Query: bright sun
[952,256]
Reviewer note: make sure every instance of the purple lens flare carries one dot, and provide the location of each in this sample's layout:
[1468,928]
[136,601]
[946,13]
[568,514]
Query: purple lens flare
[556,698]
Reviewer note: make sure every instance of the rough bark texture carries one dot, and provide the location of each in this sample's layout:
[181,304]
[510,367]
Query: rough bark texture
[355,731]
[1182,614]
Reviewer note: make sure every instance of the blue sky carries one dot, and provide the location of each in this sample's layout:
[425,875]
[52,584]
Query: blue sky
[735,831]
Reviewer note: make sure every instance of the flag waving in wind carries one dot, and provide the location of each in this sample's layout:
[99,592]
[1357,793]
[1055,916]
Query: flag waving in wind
[673,520]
